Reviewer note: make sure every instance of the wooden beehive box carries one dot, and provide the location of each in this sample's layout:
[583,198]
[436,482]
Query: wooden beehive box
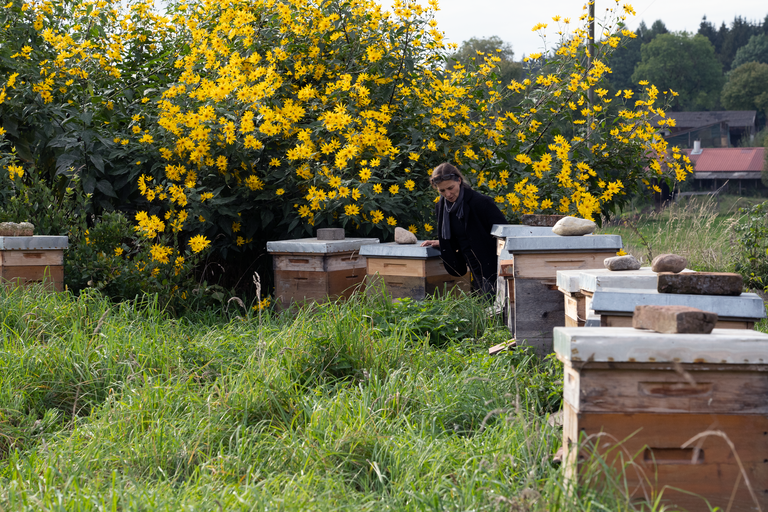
[309,269]
[616,307]
[530,265]
[27,260]
[411,270]
[645,397]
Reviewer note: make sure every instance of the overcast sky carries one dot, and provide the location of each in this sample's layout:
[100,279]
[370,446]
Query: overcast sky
[512,20]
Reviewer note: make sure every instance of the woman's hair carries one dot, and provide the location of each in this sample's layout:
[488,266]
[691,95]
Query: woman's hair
[445,172]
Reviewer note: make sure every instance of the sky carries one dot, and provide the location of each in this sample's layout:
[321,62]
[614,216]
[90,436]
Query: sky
[512,20]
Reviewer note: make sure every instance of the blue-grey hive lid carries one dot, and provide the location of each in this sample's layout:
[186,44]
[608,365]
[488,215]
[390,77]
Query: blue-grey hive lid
[395,250]
[556,243]
[33,243]
[624,344]
[612,301]
[315,246]
[512,230]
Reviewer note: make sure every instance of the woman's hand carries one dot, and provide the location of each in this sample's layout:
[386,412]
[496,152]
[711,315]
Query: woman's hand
[431,243]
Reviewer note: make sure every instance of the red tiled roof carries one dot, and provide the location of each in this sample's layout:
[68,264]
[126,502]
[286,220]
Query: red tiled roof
[728,159]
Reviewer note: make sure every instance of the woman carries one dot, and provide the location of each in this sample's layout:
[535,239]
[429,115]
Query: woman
[464,222]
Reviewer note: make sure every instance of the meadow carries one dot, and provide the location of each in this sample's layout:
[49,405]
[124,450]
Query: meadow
[362,405]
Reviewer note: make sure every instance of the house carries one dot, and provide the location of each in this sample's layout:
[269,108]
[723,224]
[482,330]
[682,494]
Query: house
[719,129]
[741,167]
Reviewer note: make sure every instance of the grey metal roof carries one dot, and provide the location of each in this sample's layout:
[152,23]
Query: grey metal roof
[734,118]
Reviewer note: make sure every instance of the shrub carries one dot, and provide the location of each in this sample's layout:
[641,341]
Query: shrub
[246,121]
[752,230]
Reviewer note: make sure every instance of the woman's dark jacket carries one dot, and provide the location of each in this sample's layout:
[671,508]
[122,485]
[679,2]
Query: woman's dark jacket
[480,214]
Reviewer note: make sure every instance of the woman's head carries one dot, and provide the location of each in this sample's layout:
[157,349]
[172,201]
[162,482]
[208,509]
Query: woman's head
[447,180]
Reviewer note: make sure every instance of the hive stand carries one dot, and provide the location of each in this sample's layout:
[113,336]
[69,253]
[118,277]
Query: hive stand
[530,264]
[409,270]
[27,260]
[644,395]
[309,269]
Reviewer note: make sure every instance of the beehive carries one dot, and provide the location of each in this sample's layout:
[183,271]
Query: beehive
[309,269]
[410,270]
[646,396]
[530,265]
[28,260]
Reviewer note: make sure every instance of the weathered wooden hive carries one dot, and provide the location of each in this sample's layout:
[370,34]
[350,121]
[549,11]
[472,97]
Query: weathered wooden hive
[409,270]
[530,265]
[643,396]
[27,260]
[312,269]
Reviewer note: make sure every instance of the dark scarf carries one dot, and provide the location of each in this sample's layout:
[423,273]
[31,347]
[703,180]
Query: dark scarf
[458,207]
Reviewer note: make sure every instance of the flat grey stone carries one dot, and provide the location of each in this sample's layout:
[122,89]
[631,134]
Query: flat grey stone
[619,344]
[668,263]
[313,245]
[674,319]
[619,263]
[509,230]
[574,226]
[701,283]
[404,237]
[330,234]
[395,250]
[562,243]
[35,243]
[747,306]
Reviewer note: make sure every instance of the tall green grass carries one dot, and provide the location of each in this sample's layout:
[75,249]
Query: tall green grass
[699,229]
[361,405]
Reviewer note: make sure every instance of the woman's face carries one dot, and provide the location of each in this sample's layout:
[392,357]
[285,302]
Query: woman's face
[449,190]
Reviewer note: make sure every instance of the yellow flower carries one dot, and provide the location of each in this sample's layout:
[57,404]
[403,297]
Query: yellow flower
[376,216]
[378,188]
[198,242]
[279,192]
[118,251]
[410,184]
[394,189]
[412,229]
[351,210]
[160,253]
[621,253]
[391,221]
[427,227]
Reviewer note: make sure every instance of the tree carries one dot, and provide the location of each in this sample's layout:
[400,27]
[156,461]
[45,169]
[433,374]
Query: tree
[747,88]
[756,50]
[739,34]
[485,48]
[687,65]
[627,57]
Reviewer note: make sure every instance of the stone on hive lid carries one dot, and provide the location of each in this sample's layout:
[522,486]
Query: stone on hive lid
[330,234]
[403,236]
[701,283]
[14,229]
[668,263]
[674,319]
[626,262]
[573,226]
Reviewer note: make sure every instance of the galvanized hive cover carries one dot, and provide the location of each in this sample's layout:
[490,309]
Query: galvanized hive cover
[33,243]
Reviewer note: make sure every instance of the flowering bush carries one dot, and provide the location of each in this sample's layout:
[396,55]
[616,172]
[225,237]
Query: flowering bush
[239,121]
